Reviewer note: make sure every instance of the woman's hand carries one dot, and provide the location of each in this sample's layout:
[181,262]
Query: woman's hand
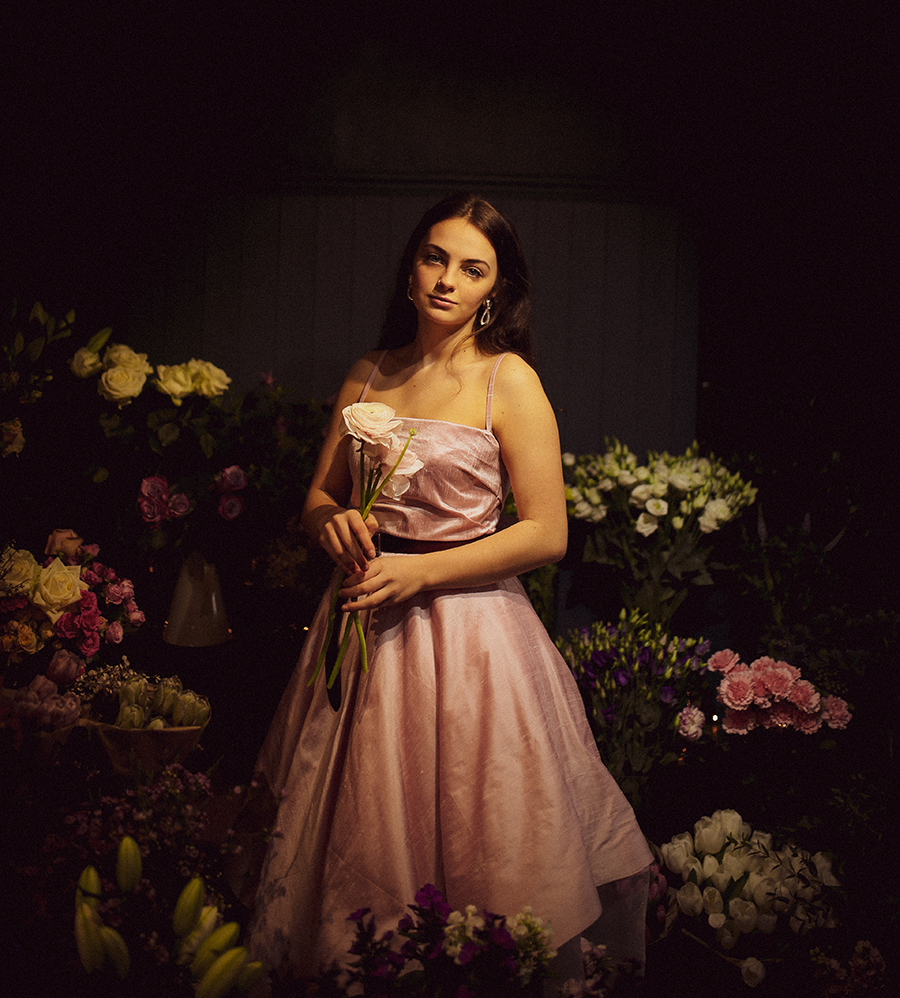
[386,580]
[347,539]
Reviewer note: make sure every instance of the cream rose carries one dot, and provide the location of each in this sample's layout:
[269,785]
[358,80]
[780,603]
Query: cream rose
[121,384]
[208,379]
[58,586]
[119,355]
[21,572]
[175,381]
[85,363]
[371,422]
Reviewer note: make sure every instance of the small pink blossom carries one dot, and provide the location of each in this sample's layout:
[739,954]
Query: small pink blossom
[231,479]
[723,661]
[114,594]
[835,712]
[91,550]
[736,690]
[231,506]
[114,633]
[739,722]
[805,696]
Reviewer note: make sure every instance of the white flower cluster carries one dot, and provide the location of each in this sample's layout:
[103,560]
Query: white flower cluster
[677,490]
[123,374]
[742,884]
[531,935]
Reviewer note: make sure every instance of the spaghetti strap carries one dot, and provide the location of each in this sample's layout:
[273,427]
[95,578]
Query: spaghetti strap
[490,394]
[368,384]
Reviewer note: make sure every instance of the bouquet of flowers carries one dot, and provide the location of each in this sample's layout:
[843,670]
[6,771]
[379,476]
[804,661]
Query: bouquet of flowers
[738,884]
[445,952]
[653,521]
[385,466]
[639,683]
[771,694]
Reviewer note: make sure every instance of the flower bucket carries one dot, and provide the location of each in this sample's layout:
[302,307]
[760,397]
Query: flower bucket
[143,750]
[197,615]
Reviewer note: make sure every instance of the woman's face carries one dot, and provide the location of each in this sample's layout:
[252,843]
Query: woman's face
[454,271]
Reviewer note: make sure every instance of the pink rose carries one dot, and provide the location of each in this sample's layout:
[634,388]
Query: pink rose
[155,487]
[179,505]
[835,712]
[65,667]
[153,510]
[231,479]
[114,633]
[135,616]
[231,506]
[723,661]
[89,644]
[65,543]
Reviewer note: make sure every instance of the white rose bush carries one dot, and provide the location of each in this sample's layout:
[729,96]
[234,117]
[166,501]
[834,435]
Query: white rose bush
[743,894]
[654,521]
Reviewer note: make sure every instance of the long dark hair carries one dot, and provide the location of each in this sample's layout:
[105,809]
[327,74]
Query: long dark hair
[509,327]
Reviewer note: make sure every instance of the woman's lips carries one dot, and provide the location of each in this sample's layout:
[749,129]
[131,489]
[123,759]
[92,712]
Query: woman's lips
[441,302]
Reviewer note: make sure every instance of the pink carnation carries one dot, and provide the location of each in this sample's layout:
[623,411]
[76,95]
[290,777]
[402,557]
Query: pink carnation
[739,722]
[835,712]
[723,661]
[690,723]
[778,681]
[67,626]
[808,723]
[805,696]
[780,715]
[736,690]
[760,691]
[90,644]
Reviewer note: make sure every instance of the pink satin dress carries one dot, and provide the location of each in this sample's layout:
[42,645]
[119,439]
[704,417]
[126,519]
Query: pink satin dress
[463,757]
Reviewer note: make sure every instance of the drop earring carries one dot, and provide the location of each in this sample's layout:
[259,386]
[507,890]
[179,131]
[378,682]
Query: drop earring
[486,314]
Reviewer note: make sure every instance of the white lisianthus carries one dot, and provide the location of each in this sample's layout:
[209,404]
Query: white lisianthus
[677,522]
[752,971]
[646,524]
[640,494]
[708,524]
[679,480]
[727,935]
[690,900]
[642,473]
[606,484]
[660,487]
[719,509]
[657,507]
[626,478]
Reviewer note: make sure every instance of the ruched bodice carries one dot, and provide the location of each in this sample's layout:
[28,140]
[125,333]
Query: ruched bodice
[459,493]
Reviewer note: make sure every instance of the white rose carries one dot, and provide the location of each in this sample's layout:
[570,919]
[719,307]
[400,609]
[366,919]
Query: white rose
[208,379]
[58,586]
[21,572]
[119,355]
[753,971]
[371,422]
[121,384]
[646,524]
[85,363]
[175,381]
[657,507]
[640,494]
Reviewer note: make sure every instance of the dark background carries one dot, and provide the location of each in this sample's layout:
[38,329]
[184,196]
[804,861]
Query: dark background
[768,126]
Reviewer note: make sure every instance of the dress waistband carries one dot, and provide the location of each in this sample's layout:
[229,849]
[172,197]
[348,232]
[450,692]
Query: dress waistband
[388,544]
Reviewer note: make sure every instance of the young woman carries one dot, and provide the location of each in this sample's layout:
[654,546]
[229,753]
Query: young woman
[462,758]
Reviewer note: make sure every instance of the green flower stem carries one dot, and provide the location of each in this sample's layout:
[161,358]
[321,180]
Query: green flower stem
[336,579]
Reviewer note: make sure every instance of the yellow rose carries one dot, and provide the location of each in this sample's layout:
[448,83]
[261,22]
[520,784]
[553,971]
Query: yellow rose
[121,384]
[119,355]
[85,363]
[20,574]
[58,587]
[208,379]
[174,381]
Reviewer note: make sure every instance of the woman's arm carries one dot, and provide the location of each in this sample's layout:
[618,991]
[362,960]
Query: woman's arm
[340,531]
[525,426]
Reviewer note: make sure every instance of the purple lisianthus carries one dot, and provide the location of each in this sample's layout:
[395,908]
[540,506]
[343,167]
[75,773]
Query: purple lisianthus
[621,677]
[667,694]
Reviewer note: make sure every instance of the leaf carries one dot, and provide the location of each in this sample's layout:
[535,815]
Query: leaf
[98,340]
[35,347]
[207,444]
[18,344]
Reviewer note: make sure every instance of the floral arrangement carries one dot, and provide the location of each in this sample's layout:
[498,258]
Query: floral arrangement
[445,952]
[771,694]
[637,681]
[653,521]
[739,887]
[54,619]
[385,466]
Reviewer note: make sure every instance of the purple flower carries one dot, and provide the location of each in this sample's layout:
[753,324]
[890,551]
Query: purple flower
[667,694]
[621,677]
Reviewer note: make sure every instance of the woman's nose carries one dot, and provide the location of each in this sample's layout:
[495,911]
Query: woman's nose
[445,281]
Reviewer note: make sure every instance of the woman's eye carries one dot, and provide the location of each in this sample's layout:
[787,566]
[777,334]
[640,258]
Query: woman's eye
[432,258]
[474,272]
